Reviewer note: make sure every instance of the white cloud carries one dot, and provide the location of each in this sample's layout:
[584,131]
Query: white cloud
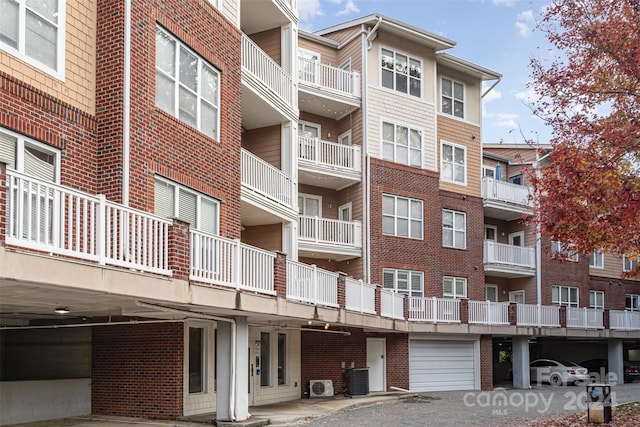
[350,6]
[507,120]
[492,95]
[528,96]
[308,10]
[525,23]
[508,3]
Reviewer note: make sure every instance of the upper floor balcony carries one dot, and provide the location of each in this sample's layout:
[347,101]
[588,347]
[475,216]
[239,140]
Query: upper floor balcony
[268,91]
[329,238]
[504,200]
[508,261]
[261,15]
[326,90]
[328,164]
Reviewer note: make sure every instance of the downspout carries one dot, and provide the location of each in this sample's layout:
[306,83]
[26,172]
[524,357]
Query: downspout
[232,385]
[365,150]
[538,246]
[126,104]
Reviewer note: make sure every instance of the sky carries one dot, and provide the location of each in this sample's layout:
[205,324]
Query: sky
[500,35]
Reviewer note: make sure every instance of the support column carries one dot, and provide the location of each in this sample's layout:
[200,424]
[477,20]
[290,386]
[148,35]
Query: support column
[520,350]
[232,355]
[616,359]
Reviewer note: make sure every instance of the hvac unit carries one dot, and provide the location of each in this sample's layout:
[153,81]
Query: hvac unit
[358,382]
[320,388]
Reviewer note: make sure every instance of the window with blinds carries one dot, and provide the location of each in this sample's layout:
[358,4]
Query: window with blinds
[28,157]
[173,200]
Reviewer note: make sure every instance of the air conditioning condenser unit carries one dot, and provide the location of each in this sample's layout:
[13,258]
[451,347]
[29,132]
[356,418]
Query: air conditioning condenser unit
[320,388]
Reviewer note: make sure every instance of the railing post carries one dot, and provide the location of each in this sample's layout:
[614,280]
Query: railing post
[606,321]
[563,316]
[464,310]
[280,275]
[101,229]
[179,249]
[434,309]
[317,145]
[405,307]
[236,274]
[513,314]
[378,300]
[342,293]
[314,283]
[4,198]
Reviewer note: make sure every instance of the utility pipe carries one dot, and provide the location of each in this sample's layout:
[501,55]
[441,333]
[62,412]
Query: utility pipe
[126,105]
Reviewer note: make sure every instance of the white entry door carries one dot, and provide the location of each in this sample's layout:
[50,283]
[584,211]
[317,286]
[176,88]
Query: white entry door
[376,362]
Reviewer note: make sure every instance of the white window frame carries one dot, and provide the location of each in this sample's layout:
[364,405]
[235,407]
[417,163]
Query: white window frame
[452,98]
[407,276]
[454,230]
[396,146]
[632,302]
[513,296]
[488,171]
[22,143]
[493,228]
[454,282]
[565,249]
[453,163]
[177,188]
[410,220]
[20,52]
[495,288]
[627,264]
[558,298]
[513,236]
[596,299]
[208,350]
[394,71]
[596,260]
[177,85]
[345,136]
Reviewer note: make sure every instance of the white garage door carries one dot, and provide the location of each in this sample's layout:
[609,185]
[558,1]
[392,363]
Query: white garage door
[441,365]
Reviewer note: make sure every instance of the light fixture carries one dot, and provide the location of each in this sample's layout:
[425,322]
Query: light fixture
[326,326]
[309,322]
[61,310]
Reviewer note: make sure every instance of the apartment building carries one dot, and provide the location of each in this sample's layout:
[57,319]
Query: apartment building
[206,208]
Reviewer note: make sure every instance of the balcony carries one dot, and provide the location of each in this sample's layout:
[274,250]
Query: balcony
[328,164]
[360,297]
[585,318]
[268,91]
[434,310]
[502,260]
[338,89]
[489,313]
[538,315]
[624,320]
[329,238]
[312,285]
[504,200]
[391,304]
[267,192]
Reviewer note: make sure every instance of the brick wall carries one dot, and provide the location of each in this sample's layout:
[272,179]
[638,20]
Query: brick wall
[555,272]
[137,370]
[486,362]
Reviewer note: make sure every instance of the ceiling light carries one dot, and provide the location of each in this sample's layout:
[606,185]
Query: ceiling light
[61,310]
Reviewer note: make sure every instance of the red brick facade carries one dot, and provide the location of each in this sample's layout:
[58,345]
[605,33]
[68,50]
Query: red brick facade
[137,370]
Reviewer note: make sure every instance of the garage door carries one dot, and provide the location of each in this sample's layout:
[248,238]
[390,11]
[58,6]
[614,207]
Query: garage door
[441,365]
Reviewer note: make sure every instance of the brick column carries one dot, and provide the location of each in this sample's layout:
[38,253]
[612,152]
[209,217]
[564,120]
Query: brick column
[179,249]
[342,292]
[464,311]
[563,316]
[513,313]
[3,202]
[486,362]
[378,298]
[405,307]
[605,317]
[280,275]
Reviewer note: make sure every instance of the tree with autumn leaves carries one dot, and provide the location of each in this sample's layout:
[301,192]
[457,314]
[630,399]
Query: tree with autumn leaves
[588,186]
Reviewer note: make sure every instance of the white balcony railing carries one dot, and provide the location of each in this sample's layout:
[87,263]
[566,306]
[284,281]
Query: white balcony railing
[488,313]
[585,318]
[265,69]
[538,315]
[221,261]
[360,296]
[333,231]
[310,284]
[500,253]
[328,77]
[266,179]
[59,220]
[391,304]
[330,154]
[624,320]
[436,310]
[505,191]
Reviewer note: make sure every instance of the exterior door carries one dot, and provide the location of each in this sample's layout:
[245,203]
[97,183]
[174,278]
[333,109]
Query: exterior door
[376,362]
[310,209]
[491,293]
[517,297]
[344,214]
[516,239]
[308,134]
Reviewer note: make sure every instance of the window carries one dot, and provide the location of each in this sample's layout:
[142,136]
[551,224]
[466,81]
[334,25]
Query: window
[490,232]
[401,73]
[408,282]
[517,238]
[308,134]
[596,299]
[564,250]
[452,98]
[564,295]
[401,216]
[308,69]
[454,229]
[28,156]
[596,260]
[454,287]
[265,359]
[401,144]
[34,31]
[454,161]
[632,302]
[282,359]
[197,359]
[627,264]
[172,200]
[186,86]
[517,179]
[488,171]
